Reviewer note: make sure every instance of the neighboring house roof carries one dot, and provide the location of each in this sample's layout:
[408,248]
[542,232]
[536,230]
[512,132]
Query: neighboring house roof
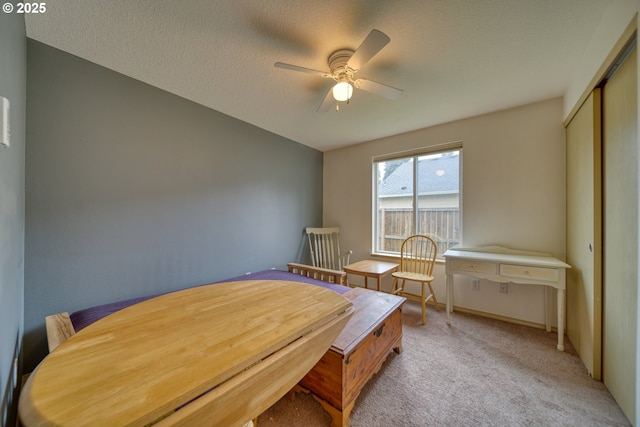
[436,175]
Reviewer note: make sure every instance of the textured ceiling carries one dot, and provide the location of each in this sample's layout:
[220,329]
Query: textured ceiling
[452,58]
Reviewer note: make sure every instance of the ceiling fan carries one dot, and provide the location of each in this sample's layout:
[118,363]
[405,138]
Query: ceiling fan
[344,64]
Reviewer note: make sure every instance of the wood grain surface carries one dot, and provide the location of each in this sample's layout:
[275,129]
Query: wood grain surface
[138,365]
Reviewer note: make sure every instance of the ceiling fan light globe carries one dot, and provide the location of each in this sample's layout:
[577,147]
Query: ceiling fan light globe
[342,91]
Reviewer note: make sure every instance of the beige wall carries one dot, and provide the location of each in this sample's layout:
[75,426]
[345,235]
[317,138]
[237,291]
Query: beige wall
[605,36]
[513,194]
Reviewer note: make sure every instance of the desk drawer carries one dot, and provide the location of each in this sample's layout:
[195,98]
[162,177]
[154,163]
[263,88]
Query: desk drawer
[474,266]
[524,272]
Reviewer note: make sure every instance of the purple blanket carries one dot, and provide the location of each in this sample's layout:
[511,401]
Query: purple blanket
[83,318]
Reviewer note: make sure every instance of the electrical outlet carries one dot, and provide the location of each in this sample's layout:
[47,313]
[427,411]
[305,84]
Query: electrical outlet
[475,284]
[504,288]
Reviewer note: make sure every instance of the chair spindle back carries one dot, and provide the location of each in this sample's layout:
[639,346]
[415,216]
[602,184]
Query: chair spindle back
[418,255]
[324,245]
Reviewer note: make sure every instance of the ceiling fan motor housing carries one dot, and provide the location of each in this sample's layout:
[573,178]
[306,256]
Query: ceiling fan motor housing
[338,64]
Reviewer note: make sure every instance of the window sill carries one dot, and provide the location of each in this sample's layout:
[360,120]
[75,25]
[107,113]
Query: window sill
[396,258]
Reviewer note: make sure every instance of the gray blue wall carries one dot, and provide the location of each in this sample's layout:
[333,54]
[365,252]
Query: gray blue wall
[13,64]
[131,190]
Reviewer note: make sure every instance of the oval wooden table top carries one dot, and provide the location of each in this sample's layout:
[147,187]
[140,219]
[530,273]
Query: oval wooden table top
[138,365]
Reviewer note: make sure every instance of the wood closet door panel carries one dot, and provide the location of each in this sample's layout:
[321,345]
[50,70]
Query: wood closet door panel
[620,234]
[584,231]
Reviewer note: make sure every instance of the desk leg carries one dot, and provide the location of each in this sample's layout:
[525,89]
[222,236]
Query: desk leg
[561,296]
[547,310]
[449,296]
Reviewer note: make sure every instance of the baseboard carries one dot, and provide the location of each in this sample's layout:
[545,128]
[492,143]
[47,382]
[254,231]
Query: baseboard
[503,318]
[496,316]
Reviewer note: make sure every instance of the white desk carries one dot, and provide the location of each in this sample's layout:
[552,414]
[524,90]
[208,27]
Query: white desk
[504,265]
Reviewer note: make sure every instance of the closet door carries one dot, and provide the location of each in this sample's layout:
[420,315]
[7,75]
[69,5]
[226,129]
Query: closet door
[584,231]
[620,238]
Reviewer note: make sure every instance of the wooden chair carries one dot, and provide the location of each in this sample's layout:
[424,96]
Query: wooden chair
[324,244]
[417,258]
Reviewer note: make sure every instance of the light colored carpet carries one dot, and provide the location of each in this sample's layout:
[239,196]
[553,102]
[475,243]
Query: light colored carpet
[476,372]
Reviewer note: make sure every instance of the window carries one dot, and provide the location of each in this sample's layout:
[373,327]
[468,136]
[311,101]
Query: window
[417,194]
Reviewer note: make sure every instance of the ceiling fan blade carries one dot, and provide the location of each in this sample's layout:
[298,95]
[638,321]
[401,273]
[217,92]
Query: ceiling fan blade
[374,42]
[302,69]
[378,88]
[327,102]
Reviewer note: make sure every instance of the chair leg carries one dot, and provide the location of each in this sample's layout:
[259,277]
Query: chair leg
[423,300]
[435,300]
[394,286]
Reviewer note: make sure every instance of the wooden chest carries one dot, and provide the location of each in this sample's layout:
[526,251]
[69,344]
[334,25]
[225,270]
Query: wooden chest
[359,351]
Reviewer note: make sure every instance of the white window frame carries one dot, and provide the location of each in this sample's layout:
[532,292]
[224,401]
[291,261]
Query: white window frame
[415,154]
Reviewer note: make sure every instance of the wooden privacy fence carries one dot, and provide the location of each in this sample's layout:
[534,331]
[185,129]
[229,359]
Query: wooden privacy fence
[441,224]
